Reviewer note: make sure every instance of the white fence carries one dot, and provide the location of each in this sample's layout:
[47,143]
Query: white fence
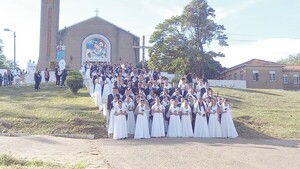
[169,76]
[241,84]
[2,71]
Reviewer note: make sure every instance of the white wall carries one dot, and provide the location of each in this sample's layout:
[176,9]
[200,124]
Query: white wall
[169,76]
[241,84]
[2,71]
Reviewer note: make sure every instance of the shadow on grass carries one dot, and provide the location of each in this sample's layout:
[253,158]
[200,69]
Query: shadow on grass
[247,136]
[255,91]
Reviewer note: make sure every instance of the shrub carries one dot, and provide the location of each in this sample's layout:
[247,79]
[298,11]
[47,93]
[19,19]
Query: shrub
[72,72]
[74,81]
[52,65]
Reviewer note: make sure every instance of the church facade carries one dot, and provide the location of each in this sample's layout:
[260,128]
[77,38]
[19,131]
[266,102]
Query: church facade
[92,40]
[97,40]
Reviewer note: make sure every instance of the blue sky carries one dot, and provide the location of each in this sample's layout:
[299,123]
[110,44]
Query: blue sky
[263,29]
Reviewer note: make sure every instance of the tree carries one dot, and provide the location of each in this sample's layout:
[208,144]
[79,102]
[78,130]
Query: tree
[180,42]
[4,63]
[291,60]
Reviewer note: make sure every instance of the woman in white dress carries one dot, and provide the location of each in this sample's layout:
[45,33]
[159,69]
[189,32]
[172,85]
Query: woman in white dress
[214,126]
[130,118]
[106,86]
[174,129]
[201,127]
[158,125]
[199,87]
[186,119]
[98,89]
[227,126]
[142,124]
[120,124]
[112,117]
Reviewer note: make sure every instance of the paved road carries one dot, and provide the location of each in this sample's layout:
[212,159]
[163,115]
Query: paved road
[158,153]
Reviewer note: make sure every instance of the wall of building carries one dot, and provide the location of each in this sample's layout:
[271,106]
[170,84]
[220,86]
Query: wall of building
[264,77]
[291,84]
[48,33]
[121,42]
[236,74]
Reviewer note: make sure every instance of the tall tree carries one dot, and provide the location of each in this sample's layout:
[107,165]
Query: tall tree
[291,60]
[180,42]
[4,63]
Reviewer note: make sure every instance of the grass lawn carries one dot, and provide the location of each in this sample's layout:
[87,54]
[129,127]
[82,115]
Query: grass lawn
[262,113]
[50,110]
[10,162]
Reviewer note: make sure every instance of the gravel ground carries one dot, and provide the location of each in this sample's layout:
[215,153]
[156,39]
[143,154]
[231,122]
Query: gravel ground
[157,153]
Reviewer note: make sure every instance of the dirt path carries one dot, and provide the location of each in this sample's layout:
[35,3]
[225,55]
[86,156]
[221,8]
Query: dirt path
[158,153]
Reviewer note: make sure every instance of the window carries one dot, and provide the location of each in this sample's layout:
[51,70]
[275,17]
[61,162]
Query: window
[229,78]
[235,76]
[255,74]
[285,79]
[272,75]
[241,75]
[296,79]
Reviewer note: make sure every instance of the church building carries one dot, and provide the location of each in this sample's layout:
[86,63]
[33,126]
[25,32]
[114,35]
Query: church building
[93,40]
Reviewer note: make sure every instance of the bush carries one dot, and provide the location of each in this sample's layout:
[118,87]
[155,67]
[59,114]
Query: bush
[74,81]
[73,72]
[52,65]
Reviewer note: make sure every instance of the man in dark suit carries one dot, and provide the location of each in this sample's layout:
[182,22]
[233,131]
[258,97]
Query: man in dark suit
[110,98]
[172,88]
[109,104]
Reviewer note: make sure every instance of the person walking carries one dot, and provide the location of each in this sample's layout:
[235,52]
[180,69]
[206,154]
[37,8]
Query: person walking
[46,76]
[37,80]
[1,79]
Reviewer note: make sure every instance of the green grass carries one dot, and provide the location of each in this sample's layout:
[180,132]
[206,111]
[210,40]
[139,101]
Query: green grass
[262,113]
[10,162]
[50,110]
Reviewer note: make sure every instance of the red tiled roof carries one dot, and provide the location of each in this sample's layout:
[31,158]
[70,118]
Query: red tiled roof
[259,62]
[254,62]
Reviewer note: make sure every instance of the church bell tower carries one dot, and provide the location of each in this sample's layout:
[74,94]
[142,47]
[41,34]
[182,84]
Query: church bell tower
[48,32]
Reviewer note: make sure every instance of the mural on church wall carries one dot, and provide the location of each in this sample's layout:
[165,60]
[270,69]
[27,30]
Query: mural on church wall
[96,48]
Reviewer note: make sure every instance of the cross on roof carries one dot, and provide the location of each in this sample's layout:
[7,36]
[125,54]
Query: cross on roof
[97,11]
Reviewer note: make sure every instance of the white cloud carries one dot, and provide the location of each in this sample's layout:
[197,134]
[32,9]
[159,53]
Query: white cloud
[269,49]
[223,13]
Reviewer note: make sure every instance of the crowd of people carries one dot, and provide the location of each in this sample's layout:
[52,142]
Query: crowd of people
[143,104]
[17,76]
[11,77]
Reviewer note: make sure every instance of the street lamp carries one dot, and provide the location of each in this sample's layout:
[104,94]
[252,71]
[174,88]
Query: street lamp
[6,29]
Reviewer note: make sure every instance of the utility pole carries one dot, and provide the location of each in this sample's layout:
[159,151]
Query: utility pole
[143,47]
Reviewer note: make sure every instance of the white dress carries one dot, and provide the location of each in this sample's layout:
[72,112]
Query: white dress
[120,124]
[106,87]
[112,119]
[90,86]
[214,126]
[130,117]
[186,123]
[97,93]
[198,90]
[201,127]
[142,125]
[174,129]
[227,126]
[158,125]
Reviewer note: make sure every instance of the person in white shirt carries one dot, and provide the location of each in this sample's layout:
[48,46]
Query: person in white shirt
[62,64]
[17,78]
